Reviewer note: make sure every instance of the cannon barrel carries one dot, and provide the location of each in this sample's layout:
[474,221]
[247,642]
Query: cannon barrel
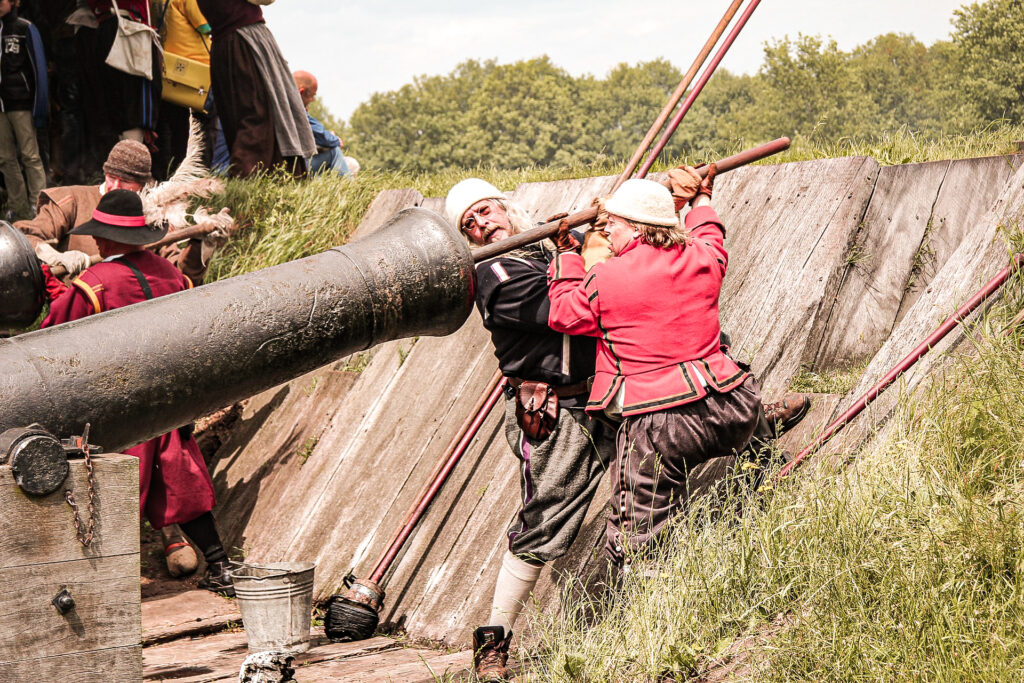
[143,370]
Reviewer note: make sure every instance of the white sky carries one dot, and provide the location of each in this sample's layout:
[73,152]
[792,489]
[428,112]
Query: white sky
[356,49]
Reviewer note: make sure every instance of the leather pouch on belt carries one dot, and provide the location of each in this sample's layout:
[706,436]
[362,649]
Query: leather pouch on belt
[536,409]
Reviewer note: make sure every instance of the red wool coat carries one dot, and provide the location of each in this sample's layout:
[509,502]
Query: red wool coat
[174,485]
[655,312]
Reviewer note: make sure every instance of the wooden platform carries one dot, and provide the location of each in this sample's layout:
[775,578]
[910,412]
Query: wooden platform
[218,658]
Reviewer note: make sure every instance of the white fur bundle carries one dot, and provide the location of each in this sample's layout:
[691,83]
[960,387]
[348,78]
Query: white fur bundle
[167,203]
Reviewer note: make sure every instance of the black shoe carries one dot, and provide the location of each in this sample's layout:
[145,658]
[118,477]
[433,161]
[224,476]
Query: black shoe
[490,654]
[218,579]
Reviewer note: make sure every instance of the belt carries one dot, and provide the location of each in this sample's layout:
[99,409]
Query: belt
[561,390]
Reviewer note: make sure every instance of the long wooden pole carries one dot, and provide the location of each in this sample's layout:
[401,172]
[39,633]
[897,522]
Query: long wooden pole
[677,95]
[588,215]
[919,352]
[701,82]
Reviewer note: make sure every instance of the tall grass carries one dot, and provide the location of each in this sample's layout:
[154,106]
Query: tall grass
[286,219]
[908,567]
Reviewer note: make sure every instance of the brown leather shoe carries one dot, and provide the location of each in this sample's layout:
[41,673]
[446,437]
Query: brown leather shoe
[785,414]
[490,654]
[181,558]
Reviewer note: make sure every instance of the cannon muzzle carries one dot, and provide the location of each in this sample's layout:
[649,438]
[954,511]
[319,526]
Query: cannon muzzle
[143,370]
[21,279]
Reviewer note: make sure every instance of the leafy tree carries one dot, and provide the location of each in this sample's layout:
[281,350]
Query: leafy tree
[990,37]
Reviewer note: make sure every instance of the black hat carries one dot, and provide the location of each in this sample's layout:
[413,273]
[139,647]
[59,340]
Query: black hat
[119,218]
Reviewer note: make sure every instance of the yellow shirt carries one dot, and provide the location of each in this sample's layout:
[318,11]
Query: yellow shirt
[184,24]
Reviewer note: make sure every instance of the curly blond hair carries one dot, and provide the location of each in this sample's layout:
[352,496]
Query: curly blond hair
[659,236]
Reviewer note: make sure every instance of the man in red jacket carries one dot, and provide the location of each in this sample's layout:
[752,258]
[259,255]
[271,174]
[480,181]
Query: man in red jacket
[174,485]
[661,368]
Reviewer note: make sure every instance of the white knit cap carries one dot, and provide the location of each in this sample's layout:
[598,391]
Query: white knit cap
[465,194]
[644,201]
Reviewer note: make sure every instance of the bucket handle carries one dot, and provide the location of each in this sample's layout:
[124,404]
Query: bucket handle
[279,574]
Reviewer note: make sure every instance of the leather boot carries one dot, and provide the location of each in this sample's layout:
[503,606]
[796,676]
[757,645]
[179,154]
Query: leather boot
[179,554]
[490,654]
[218,579]
[785,414]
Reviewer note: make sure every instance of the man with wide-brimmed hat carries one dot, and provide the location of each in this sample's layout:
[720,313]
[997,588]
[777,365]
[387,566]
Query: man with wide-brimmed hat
[61,209]
[175,487]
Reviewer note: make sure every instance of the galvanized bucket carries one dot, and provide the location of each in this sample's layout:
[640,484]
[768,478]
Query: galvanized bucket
[276,600]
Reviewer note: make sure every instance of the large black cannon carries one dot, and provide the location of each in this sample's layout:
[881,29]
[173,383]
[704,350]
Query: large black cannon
[143,370]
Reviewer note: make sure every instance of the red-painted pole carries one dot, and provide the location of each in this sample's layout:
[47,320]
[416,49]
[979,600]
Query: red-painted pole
[677,94]
[905,364]
[438,481]
[701,82]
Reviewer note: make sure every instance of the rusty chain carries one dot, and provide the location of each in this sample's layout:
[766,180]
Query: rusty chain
[85,538]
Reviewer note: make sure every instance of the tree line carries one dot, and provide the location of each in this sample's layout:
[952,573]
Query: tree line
[533,112]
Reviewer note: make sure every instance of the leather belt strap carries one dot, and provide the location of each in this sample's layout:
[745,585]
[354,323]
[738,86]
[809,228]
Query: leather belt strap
[561,391]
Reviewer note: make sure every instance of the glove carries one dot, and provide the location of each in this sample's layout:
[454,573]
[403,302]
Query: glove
[565,240]
[74,262]
[708,182]
[602,215]
[53,286]
[684,182]
[212,241]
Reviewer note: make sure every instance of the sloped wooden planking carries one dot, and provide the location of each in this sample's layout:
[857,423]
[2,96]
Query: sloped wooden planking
[969,190]
[385,205]
[788,230]
[879,263]
[981,254]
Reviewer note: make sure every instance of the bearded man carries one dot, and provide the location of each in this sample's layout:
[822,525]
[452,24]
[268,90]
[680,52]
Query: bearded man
[562,451]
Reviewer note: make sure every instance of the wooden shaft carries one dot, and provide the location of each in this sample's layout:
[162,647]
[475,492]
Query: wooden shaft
[677,95]
[194,231]
[588,215]
[701,82]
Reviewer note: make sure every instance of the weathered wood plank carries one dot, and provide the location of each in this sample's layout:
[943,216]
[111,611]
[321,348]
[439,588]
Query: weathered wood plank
[106,612]
[974,262]
[969,190]
[184,614]
[219,657]
[36,530]
[879,263]
[112,664]
[788,230]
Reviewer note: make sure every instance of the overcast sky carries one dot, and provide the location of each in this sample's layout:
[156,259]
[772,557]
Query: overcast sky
[356,49]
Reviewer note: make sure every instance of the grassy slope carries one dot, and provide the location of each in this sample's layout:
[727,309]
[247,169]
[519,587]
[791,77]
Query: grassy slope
[908,567]
[289,219]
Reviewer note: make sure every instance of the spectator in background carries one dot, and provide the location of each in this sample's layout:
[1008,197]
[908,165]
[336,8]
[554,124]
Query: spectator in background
[61,209]
[126,105]
[259,106]
[24,105]
[187,35]
[328,145]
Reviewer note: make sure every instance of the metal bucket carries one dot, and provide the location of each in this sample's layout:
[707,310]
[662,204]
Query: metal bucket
[276,601]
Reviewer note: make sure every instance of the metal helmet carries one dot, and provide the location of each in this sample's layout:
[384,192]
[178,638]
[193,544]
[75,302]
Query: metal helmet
[21,279]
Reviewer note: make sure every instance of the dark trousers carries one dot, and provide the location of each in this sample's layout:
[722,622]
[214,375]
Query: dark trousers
[656,452]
